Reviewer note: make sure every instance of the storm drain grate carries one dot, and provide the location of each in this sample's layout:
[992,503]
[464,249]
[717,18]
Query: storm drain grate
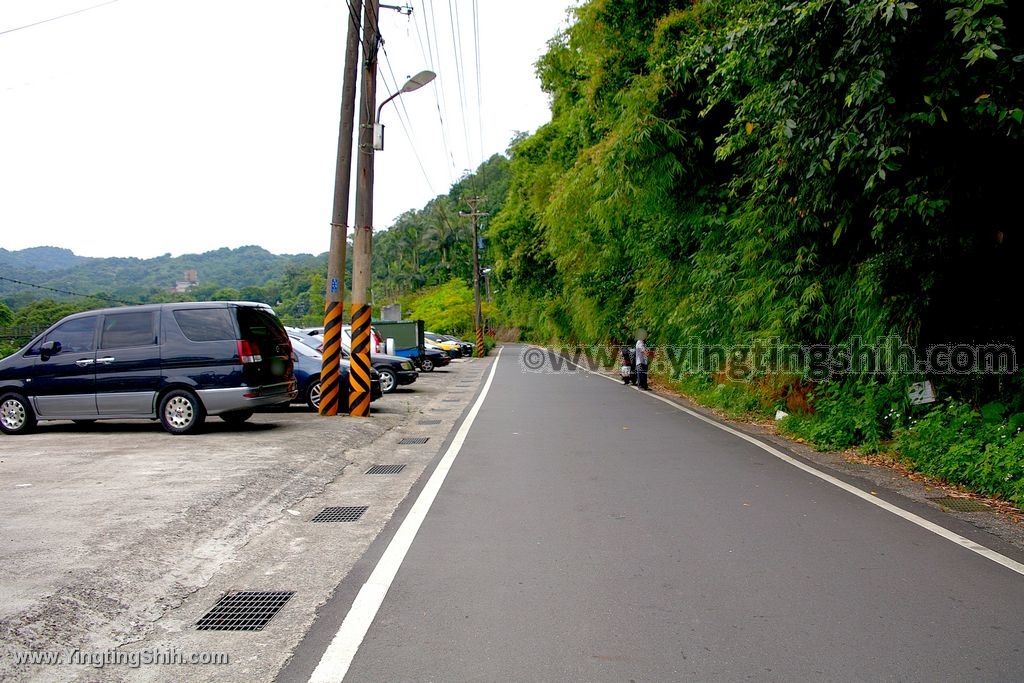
[244,611]
[351,513]
[414,440]
[960,504]
[429,422]
[385,469]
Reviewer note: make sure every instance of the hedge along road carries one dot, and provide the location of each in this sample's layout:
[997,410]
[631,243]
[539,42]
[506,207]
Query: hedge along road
[589,531]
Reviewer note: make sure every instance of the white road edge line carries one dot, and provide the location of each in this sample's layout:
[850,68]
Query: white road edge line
[936,529]
[338,656]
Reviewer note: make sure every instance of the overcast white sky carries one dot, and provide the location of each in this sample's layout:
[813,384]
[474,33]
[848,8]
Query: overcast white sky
[144,127]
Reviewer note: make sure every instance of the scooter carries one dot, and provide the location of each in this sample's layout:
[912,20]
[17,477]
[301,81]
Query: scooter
[628,368]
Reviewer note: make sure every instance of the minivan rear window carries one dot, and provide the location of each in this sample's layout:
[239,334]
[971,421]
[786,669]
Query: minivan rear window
[205,324]
[261,326]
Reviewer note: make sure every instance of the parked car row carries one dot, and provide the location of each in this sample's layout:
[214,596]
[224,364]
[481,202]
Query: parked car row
[180,363]
[432,356]
[308,366]
[393,371]
[454,346]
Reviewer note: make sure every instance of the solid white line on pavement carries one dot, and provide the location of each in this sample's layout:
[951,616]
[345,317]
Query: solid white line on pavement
[945,533]
[339,654]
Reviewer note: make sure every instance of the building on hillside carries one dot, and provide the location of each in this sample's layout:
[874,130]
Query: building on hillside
[191,280]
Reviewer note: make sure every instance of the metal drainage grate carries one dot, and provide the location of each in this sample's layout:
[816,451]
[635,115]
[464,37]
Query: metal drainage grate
[385,469]
[244,611]
[414,440]
[429,422]
[960,504]
[341,514]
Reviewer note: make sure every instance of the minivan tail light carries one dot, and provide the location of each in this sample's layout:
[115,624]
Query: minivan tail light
[248,352]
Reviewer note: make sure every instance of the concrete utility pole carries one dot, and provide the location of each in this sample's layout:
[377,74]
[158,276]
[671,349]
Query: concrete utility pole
[330,373]
[362,242]
[474,214]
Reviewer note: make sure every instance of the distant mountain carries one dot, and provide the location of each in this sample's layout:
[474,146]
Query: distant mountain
[30,274]
[39,258]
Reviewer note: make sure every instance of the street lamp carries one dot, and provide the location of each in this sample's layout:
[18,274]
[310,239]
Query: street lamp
[414,83]
[486,272]
[371,138]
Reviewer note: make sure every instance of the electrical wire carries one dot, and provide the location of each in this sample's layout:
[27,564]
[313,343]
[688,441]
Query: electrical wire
[426,48]
[440,101]
[408,129]
[479,78]
[460,71]
[69,14]
[70,293]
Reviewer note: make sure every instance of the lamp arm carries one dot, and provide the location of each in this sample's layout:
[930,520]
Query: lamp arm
[379,108]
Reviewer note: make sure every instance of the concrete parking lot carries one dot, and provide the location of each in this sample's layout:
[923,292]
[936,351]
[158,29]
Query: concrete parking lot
[118,537]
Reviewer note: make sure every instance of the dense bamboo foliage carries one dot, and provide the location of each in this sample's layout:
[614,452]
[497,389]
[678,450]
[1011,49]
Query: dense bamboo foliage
[808,171]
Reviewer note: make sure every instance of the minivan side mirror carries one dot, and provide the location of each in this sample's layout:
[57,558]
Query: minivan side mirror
[50,348]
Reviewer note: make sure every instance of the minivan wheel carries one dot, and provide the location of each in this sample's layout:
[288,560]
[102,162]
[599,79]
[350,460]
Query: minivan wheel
[313,394]
[388,380]
[181,412]
[16,416]
[427,365]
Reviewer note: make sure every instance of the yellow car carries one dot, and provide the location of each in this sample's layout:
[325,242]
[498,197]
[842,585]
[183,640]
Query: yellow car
[452,348]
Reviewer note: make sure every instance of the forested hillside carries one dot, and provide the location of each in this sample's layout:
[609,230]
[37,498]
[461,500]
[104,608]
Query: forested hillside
[134,279]
[434,245]
[809,170]
[40,285]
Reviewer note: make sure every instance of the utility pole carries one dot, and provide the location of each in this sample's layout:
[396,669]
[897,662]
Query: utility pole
[362,242]
[330,373]
[474,214]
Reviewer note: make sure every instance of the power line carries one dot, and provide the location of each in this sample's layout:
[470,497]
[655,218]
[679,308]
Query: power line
[70,293]
[46,21]
[434,61]
[479,77]
[460,71]
[408,129]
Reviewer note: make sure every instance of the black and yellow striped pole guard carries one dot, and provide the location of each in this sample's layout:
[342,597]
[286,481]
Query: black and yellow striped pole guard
[359,370]
[331,390]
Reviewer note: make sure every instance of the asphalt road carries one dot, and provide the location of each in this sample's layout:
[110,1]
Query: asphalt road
[587,531]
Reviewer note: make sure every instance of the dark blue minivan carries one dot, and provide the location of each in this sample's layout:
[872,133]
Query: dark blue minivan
[174,362]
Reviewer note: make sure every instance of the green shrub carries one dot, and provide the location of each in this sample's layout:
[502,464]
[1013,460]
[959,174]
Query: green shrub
[964,446]
[848,414]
